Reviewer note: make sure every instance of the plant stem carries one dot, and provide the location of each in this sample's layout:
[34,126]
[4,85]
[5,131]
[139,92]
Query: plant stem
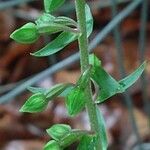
[84,60]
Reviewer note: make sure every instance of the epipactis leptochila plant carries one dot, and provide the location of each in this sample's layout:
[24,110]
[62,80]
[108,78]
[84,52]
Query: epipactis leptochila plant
[77,96]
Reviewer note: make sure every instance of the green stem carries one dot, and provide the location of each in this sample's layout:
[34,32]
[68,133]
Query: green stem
[84,60]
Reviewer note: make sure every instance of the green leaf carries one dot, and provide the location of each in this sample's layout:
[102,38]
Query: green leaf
[50,24]
[36,103]
[87,143]
[57,44]
[58,131]
[84,78]
[52,145]
[50,28]
[132,78]
[57,90]
[65,21]
[94,61]
[65,38]
[107,84]
[71,137]
[89,20]
[37,90]
[45,19]
[27,34]
[51,5]
[46,24]
[103,135]
[66,91]
[75,101]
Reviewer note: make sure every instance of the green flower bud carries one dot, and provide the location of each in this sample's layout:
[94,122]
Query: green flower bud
[52,145]
[36,103]
[27,34]
[58,131]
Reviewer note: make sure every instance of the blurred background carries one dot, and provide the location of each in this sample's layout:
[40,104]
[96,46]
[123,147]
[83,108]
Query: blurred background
[120,39]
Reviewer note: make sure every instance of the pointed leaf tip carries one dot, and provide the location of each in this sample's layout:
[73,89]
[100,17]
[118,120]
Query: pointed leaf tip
[132,78]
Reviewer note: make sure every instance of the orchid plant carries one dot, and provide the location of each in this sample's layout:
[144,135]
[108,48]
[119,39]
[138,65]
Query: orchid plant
[80,95]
